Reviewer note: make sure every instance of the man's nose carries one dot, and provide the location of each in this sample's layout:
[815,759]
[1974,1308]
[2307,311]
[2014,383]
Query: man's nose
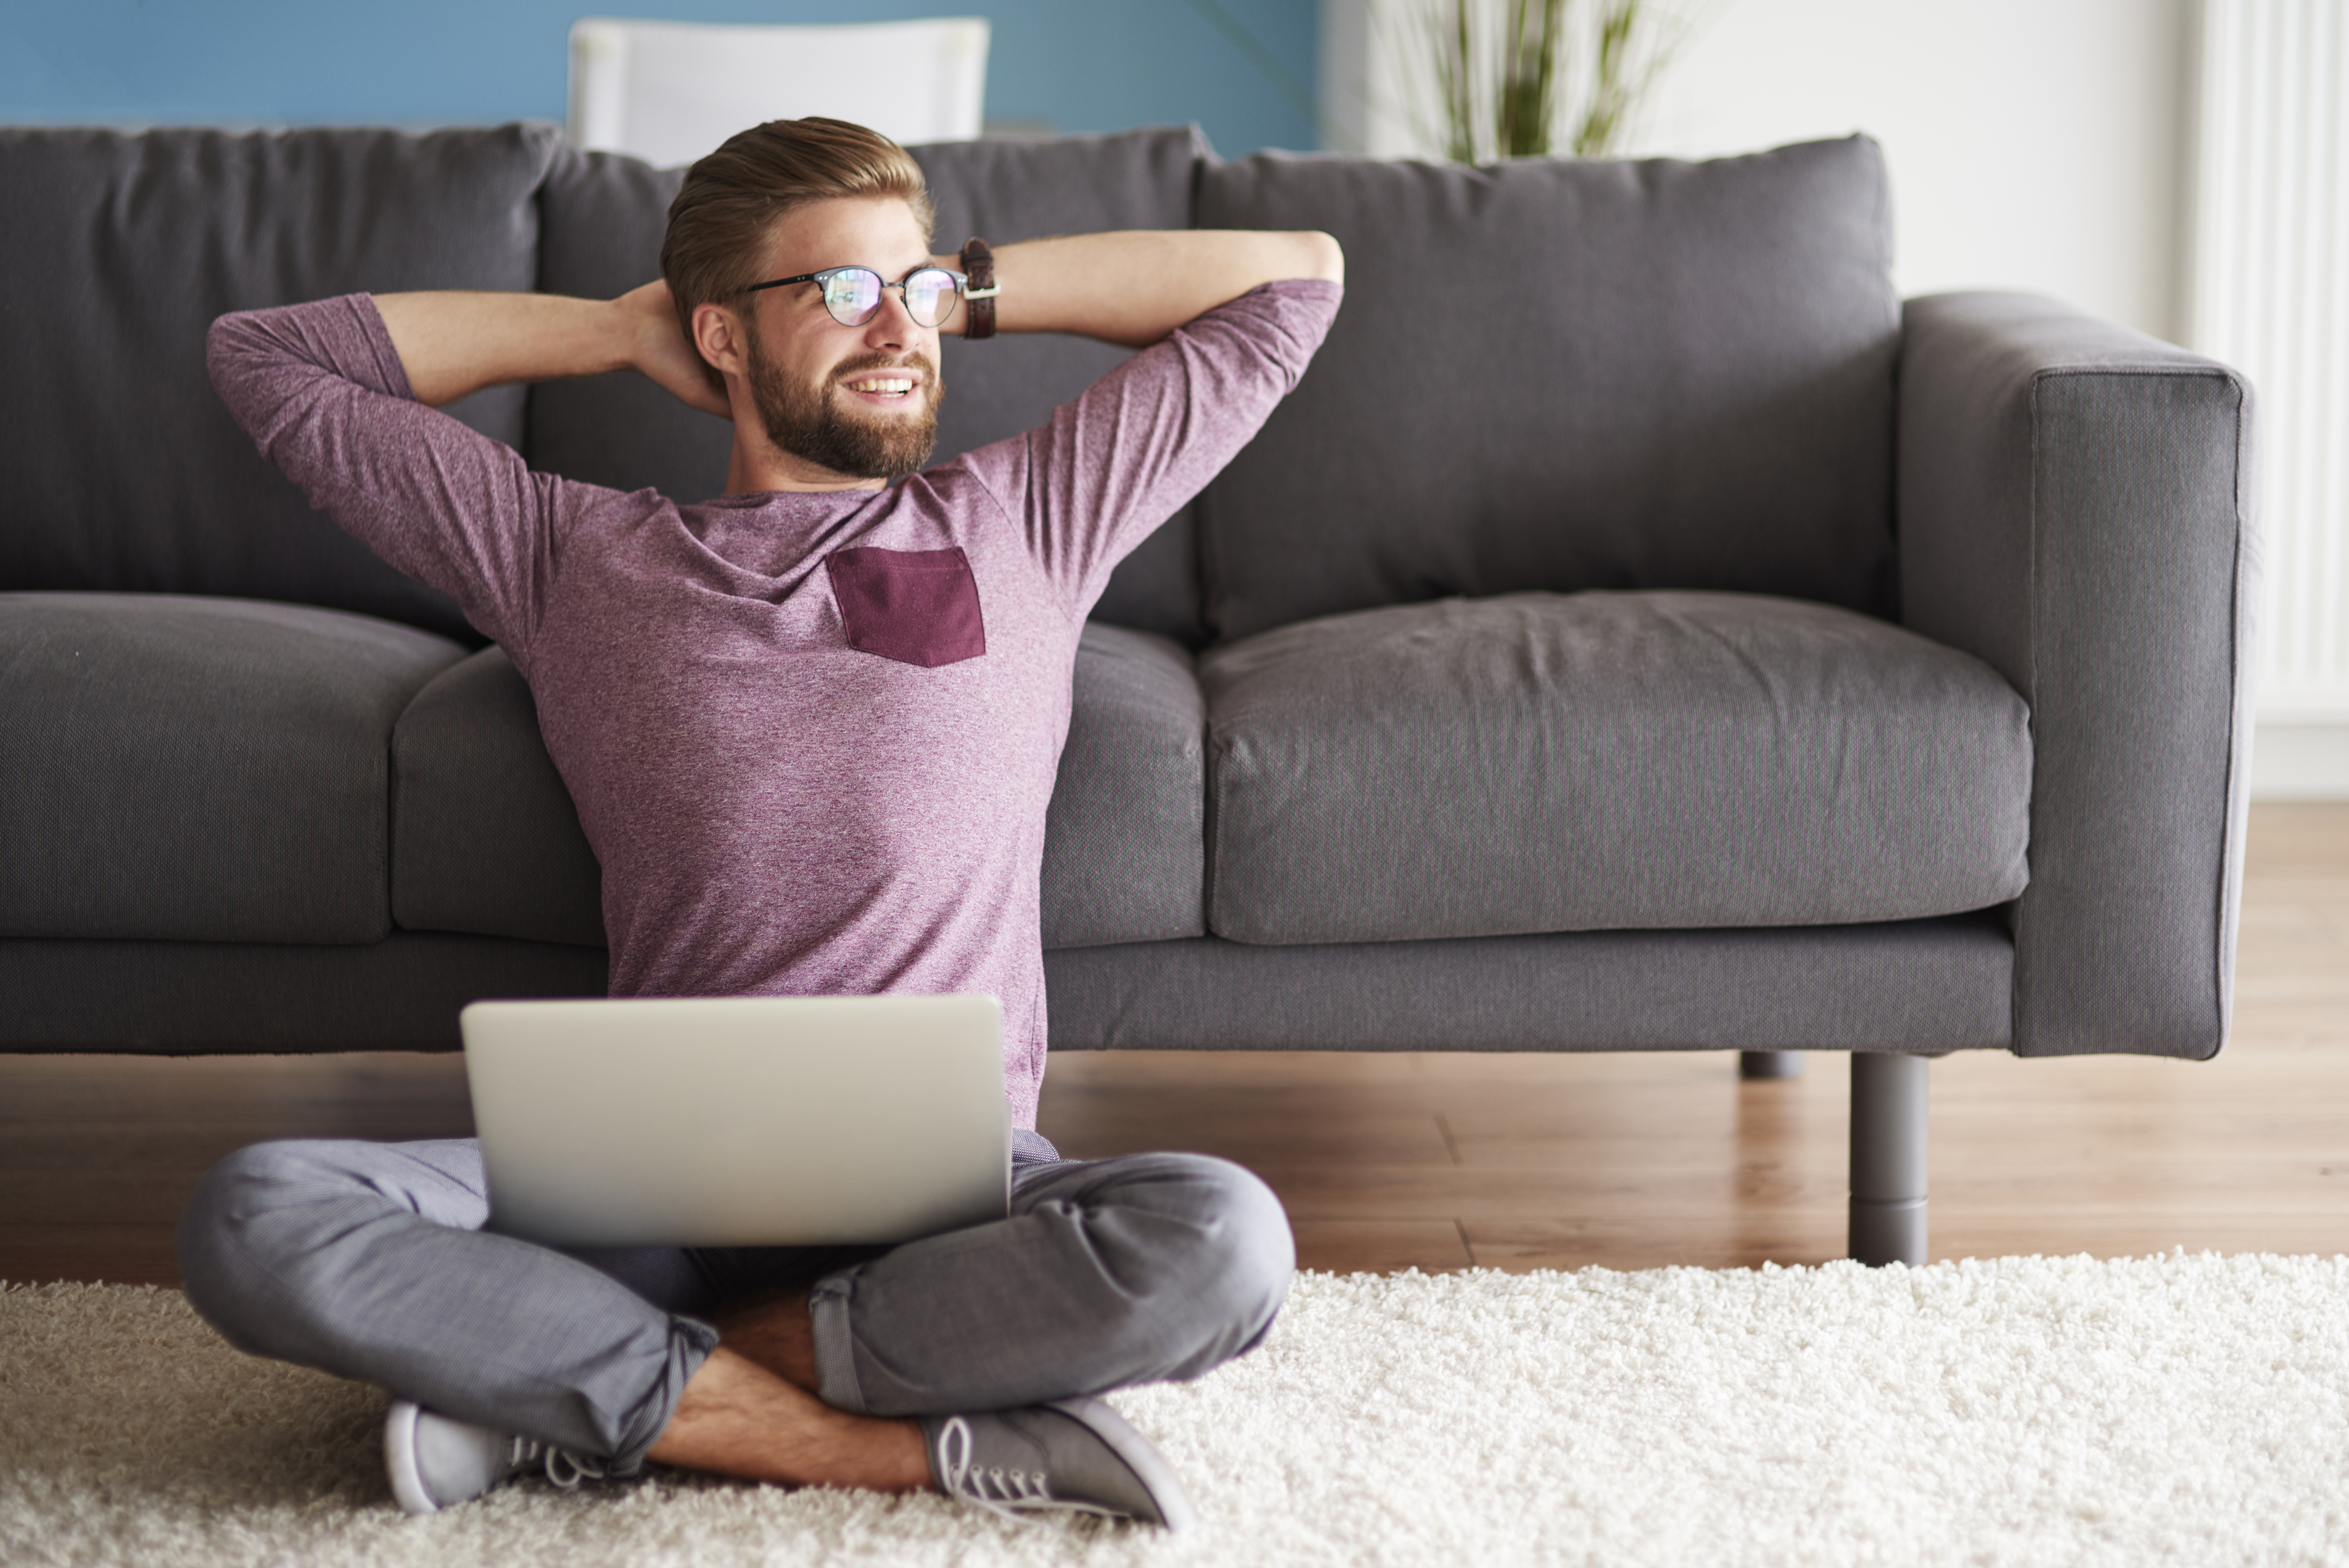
[892,326]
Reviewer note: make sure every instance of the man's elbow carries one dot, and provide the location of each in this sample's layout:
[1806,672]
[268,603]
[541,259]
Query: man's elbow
[226,341]
[1319,255]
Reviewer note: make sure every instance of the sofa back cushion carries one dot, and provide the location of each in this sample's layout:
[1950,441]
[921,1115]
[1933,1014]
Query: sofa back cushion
[603,217]
[1554,374]
[120,470]
[600,220]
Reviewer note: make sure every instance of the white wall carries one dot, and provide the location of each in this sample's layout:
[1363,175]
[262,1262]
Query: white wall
[2038,144]
[2272,297]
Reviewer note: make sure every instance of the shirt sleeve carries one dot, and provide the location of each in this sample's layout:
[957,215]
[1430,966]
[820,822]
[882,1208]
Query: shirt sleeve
[321,392]
[1119,460]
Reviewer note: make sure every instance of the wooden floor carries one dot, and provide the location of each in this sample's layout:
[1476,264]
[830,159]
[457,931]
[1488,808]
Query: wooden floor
[1439,1160]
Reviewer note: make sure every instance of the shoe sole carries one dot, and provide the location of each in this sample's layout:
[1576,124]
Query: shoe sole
[400,1459]
[1137,1452]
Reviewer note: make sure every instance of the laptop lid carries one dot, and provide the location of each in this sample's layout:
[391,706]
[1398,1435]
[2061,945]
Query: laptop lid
[740,1121]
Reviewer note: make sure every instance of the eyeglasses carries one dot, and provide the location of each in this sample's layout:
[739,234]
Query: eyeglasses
[852,294]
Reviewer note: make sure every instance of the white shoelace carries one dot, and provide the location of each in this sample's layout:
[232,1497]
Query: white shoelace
[1008,1494]
[563,1467]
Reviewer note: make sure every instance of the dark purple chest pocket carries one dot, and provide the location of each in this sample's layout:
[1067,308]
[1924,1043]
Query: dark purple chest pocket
[918,606]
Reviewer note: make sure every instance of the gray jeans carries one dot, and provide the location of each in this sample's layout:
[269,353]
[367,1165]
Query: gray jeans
[368,1260]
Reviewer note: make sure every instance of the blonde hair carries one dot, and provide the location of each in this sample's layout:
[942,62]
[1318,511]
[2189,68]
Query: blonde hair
[730,201]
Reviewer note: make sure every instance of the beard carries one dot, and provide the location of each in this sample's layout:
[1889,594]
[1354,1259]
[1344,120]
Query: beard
[811,422]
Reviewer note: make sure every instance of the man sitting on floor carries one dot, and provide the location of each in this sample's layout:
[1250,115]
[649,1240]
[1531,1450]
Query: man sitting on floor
[812,728]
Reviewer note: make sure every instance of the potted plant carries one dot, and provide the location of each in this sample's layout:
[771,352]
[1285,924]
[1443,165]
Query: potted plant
[1521,78]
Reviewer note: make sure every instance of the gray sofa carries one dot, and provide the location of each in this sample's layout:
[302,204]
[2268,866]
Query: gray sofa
[1640,630]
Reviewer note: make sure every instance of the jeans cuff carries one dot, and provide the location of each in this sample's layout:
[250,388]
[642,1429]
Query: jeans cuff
[835,1346]
[690,1341]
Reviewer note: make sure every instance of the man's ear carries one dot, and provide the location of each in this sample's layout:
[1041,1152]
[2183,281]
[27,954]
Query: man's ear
[718,336]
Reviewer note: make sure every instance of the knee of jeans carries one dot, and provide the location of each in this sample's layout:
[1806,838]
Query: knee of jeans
[218,1272]
[1249,1254]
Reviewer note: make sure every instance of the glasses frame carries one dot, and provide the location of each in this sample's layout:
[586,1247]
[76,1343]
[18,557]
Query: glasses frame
[824,275]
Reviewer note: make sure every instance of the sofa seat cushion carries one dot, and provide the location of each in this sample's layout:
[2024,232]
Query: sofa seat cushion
[485,838]
[1124,844]
[1597,761]
[199,769]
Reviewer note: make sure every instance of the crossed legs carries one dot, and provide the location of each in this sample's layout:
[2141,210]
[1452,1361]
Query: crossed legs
[743,1413]
[368,1260]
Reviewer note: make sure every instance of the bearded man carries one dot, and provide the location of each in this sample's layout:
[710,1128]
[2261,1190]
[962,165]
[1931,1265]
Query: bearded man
[811,727]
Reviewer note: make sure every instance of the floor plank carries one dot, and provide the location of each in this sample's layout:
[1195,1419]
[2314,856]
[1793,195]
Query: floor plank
[1435,1160]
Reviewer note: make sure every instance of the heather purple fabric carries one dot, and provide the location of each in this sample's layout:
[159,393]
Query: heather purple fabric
[779,811]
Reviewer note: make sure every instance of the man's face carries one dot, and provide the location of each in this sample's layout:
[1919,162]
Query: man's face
[862,402]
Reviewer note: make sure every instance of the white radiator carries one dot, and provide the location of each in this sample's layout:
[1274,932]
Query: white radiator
[2271,296]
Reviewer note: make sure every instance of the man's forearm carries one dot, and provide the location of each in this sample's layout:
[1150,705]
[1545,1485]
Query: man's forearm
[454,343]
[1135,287]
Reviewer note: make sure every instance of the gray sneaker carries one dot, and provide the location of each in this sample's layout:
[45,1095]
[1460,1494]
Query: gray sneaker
[1071,1456]
[435,1461]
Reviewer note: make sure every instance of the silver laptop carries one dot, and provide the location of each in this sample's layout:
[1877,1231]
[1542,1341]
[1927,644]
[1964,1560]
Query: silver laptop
[742,1121]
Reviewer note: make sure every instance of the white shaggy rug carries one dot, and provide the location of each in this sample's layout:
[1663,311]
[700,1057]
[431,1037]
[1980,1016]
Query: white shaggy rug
[2176,1409]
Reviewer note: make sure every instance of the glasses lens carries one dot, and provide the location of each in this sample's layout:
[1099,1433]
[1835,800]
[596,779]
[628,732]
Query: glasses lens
[930,295]
[851,294]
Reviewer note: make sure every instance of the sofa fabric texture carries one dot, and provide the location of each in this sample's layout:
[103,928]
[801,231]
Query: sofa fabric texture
[2076,510]
[1925,985]
[1917,985]
[119,251]
[485,836]
[1605,761]
[199,769]
[1559,374]
[600,223]
[1124,842]
[402,993]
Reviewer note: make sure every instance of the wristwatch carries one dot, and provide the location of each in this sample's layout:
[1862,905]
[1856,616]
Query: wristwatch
[979,294]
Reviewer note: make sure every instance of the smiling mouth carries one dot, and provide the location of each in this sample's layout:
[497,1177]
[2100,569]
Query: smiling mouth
[890,387]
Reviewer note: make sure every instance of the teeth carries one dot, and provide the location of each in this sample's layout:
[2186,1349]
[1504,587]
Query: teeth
[893,388]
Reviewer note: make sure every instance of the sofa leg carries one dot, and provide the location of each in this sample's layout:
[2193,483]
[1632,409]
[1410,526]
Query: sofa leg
[1769,1063]
[1887,1158]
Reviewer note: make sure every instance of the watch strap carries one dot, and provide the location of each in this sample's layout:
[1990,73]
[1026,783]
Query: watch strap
[979,294]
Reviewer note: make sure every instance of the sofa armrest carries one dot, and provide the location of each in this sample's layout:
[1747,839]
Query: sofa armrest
[2074,508]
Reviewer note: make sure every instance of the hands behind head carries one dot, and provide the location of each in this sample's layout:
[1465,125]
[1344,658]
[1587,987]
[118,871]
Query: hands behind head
[663,353]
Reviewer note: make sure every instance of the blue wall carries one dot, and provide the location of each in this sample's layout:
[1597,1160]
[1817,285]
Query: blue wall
[1073,64]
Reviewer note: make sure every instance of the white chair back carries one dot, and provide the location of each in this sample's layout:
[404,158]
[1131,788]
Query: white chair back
[669,92]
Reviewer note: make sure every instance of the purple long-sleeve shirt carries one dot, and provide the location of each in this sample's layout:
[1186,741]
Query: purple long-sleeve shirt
[811,736]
